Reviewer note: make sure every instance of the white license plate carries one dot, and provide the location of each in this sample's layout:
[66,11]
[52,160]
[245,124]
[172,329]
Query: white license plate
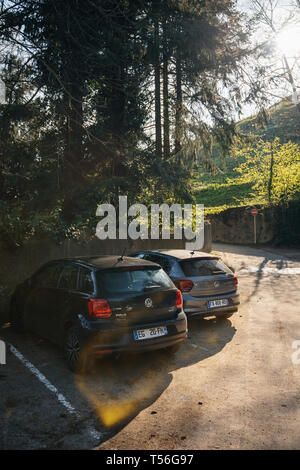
[150,333]
[217,303]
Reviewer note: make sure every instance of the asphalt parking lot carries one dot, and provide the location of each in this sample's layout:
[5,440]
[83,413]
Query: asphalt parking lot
[233,384]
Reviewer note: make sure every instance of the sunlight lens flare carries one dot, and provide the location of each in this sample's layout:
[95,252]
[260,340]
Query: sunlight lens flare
[288,41]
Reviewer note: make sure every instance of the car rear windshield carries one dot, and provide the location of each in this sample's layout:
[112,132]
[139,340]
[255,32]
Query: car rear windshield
[203,267]
[116,283]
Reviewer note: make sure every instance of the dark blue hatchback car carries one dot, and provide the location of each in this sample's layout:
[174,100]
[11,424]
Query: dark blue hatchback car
[101,305]
[208,286]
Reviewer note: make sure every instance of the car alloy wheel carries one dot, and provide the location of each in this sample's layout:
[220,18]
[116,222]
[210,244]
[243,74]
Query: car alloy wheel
[72,349]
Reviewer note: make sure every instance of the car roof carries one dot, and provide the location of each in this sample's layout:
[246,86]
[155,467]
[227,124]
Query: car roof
[108,261]
[182,254]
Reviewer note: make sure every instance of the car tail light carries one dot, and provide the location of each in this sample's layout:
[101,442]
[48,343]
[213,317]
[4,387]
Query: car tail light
[185,285]
[99,308]
[178,301]
[235,280]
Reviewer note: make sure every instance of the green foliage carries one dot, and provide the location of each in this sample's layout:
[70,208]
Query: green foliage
[77,127]
[283,121]
[218,197]
[220,186]
[273,169]
[249,182]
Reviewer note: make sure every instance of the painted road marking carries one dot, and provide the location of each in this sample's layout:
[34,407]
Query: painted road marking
[60,397]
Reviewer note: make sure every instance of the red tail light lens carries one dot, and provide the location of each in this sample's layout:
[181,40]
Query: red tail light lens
[184,286]
[178,301]
[235,280]
[99,308]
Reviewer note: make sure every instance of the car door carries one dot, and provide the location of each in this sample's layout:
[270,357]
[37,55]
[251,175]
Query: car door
[60,301]
[79,296]
[38,301]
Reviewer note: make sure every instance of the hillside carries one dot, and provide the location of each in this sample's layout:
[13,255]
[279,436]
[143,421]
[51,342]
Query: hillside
[283,122]
[219,191]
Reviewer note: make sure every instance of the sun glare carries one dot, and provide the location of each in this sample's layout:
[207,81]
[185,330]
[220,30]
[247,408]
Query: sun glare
[288,41]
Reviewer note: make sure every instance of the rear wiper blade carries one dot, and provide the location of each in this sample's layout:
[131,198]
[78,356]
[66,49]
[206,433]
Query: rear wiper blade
[151,286]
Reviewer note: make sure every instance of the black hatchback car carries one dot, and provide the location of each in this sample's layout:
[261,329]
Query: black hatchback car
[101,305]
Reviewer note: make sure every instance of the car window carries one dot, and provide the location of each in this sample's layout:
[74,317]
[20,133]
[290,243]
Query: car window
[85,281]
[203,267]
[48,276]
[115,283]
[161,260]
[68,278]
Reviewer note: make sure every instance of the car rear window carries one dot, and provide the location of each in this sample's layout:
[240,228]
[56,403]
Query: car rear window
[115,283]
[203,267]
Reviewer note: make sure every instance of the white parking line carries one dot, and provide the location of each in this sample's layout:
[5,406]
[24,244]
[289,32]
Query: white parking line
[60,397]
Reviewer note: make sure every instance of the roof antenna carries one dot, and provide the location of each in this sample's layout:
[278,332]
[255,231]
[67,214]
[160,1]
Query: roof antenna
[122,255]
[192,252]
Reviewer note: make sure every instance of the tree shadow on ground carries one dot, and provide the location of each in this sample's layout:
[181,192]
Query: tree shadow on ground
[119,389]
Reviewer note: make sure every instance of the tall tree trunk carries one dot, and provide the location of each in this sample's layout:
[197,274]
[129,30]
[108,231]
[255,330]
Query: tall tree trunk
[73,154]
[158,141]
[118,124]
[166,95]
[178,111]
[291,80]
[271,174]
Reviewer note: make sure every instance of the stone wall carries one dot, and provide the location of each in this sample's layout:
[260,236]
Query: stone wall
[235,225]
[21,263]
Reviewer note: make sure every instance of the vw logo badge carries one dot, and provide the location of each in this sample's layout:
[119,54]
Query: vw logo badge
[148,302]
[216,283]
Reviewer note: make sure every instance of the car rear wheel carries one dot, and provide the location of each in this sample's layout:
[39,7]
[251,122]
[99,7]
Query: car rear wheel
[76,358]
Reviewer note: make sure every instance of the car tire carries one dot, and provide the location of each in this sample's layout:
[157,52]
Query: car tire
[75,357]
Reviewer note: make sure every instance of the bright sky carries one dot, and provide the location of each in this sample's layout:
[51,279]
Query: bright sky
[286,42]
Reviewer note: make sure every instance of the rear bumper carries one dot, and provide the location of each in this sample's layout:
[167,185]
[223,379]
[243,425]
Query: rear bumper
[121,339]
[197,307]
